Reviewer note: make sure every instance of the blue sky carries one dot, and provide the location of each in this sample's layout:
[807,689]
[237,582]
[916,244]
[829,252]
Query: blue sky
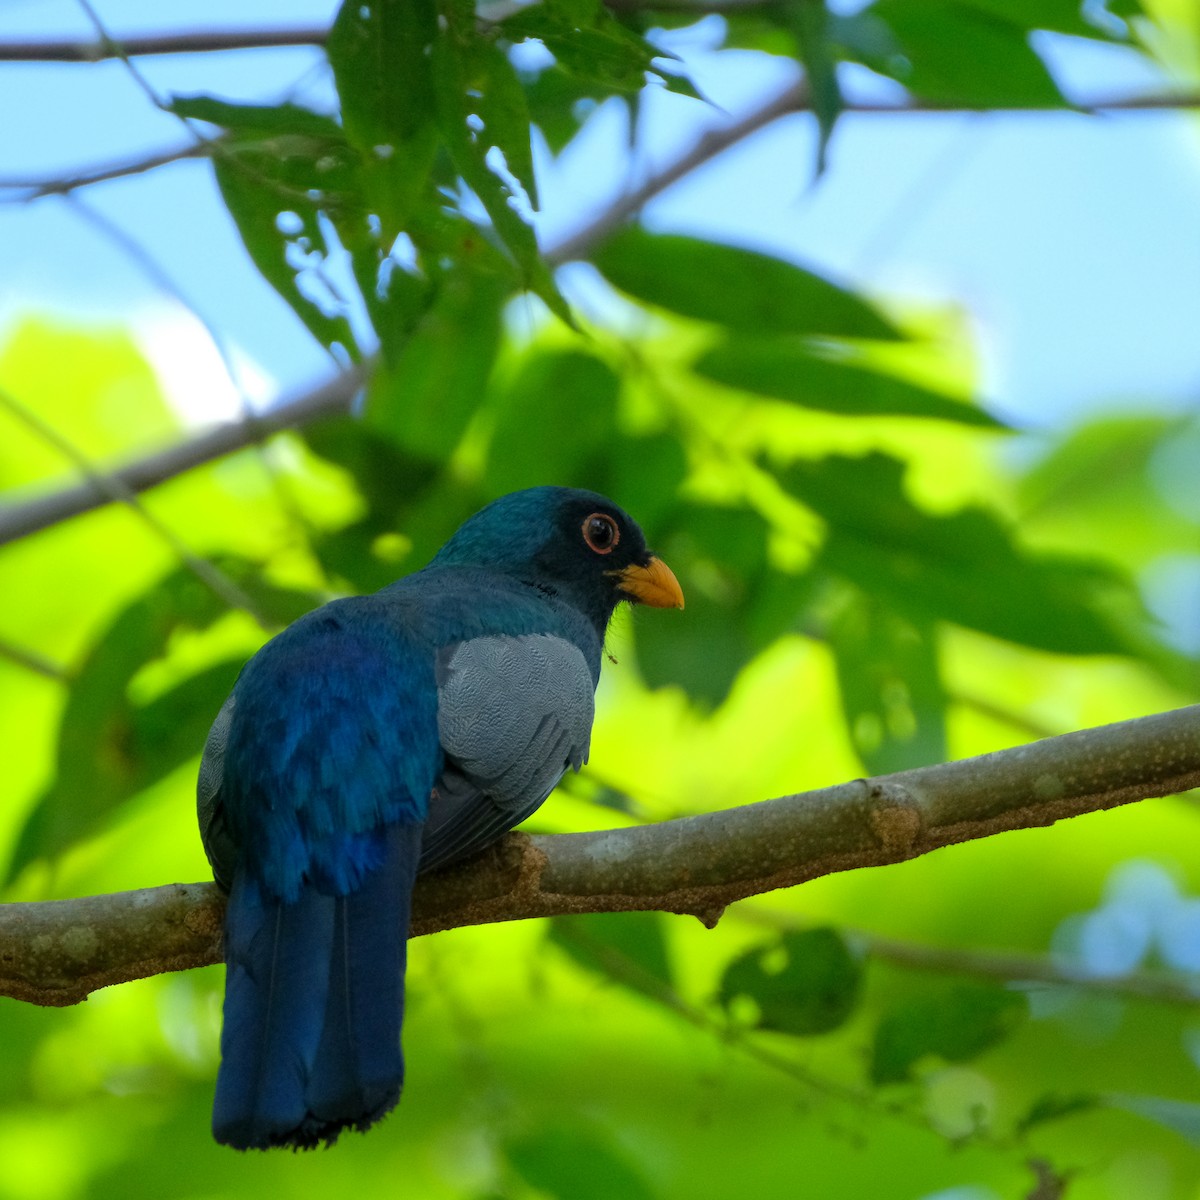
[950,209]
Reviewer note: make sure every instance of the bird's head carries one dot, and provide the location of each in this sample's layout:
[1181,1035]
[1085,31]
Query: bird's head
[575,544]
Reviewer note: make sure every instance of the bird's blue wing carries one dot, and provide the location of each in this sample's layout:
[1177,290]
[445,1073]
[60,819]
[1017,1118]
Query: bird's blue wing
[513,714]
[313,793]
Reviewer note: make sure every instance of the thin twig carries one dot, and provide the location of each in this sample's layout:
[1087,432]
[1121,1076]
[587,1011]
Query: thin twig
[195,41]
[114,49]
[1008,966]
[36,188]
[32,661]
[219,583]
[1014,967]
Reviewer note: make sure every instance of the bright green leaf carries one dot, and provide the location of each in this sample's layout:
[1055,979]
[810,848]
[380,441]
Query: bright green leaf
[111,748]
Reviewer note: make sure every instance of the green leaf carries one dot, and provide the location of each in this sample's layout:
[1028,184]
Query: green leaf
[1102,485]
[556,417]
[890,686]
[720,555]
[257,188]
[807,983]
[389,480]
[395,296]
[253,122]
[426,396]
[111,748]
[281,167]
[380,55]
[1053,1107]
[1073,17]
[965,567]
[951,53]
[472,124]
[740,289]
[1180,1116]
[813,27]
[559,103]
[504,111]
[955,1023]
[628,948]
[595,49]
[576,1163]
[792,370]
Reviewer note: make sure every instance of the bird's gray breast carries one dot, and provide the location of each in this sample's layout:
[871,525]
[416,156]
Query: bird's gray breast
[514,713]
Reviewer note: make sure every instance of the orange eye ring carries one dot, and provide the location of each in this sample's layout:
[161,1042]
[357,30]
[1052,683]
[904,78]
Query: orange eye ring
[601,533]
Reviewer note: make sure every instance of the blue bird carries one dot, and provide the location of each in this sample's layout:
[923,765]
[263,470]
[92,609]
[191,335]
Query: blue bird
[375,738]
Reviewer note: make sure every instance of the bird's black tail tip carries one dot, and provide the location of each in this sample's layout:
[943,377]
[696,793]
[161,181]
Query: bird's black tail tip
[310,1133]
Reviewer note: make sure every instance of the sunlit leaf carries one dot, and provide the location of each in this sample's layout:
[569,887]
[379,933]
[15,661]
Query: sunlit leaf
[110,748]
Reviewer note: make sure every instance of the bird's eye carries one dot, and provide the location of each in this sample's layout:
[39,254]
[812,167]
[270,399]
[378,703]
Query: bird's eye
[601,533]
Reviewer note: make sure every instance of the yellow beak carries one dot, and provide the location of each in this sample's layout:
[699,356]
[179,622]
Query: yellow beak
[654,584]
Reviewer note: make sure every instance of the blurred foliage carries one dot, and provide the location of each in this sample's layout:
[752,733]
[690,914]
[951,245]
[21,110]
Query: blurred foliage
[874,581]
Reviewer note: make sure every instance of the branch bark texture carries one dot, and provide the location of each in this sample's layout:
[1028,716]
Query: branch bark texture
[57,952]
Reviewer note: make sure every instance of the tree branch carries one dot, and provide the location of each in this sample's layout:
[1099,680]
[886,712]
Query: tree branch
[59,185]
[56,952]
[196,41]
[335,395]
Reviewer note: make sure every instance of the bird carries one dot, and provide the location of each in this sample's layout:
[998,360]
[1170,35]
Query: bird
[376,738]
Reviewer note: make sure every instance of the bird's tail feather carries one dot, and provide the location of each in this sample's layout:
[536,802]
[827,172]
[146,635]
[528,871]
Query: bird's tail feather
[314,997]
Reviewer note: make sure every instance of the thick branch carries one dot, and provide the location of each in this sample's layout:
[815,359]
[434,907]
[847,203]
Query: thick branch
[58,951]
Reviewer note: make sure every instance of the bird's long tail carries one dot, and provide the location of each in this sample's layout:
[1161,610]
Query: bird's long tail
[314,997]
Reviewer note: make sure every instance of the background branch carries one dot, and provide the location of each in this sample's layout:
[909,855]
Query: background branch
[192,41]
[335,395]
[57,952]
